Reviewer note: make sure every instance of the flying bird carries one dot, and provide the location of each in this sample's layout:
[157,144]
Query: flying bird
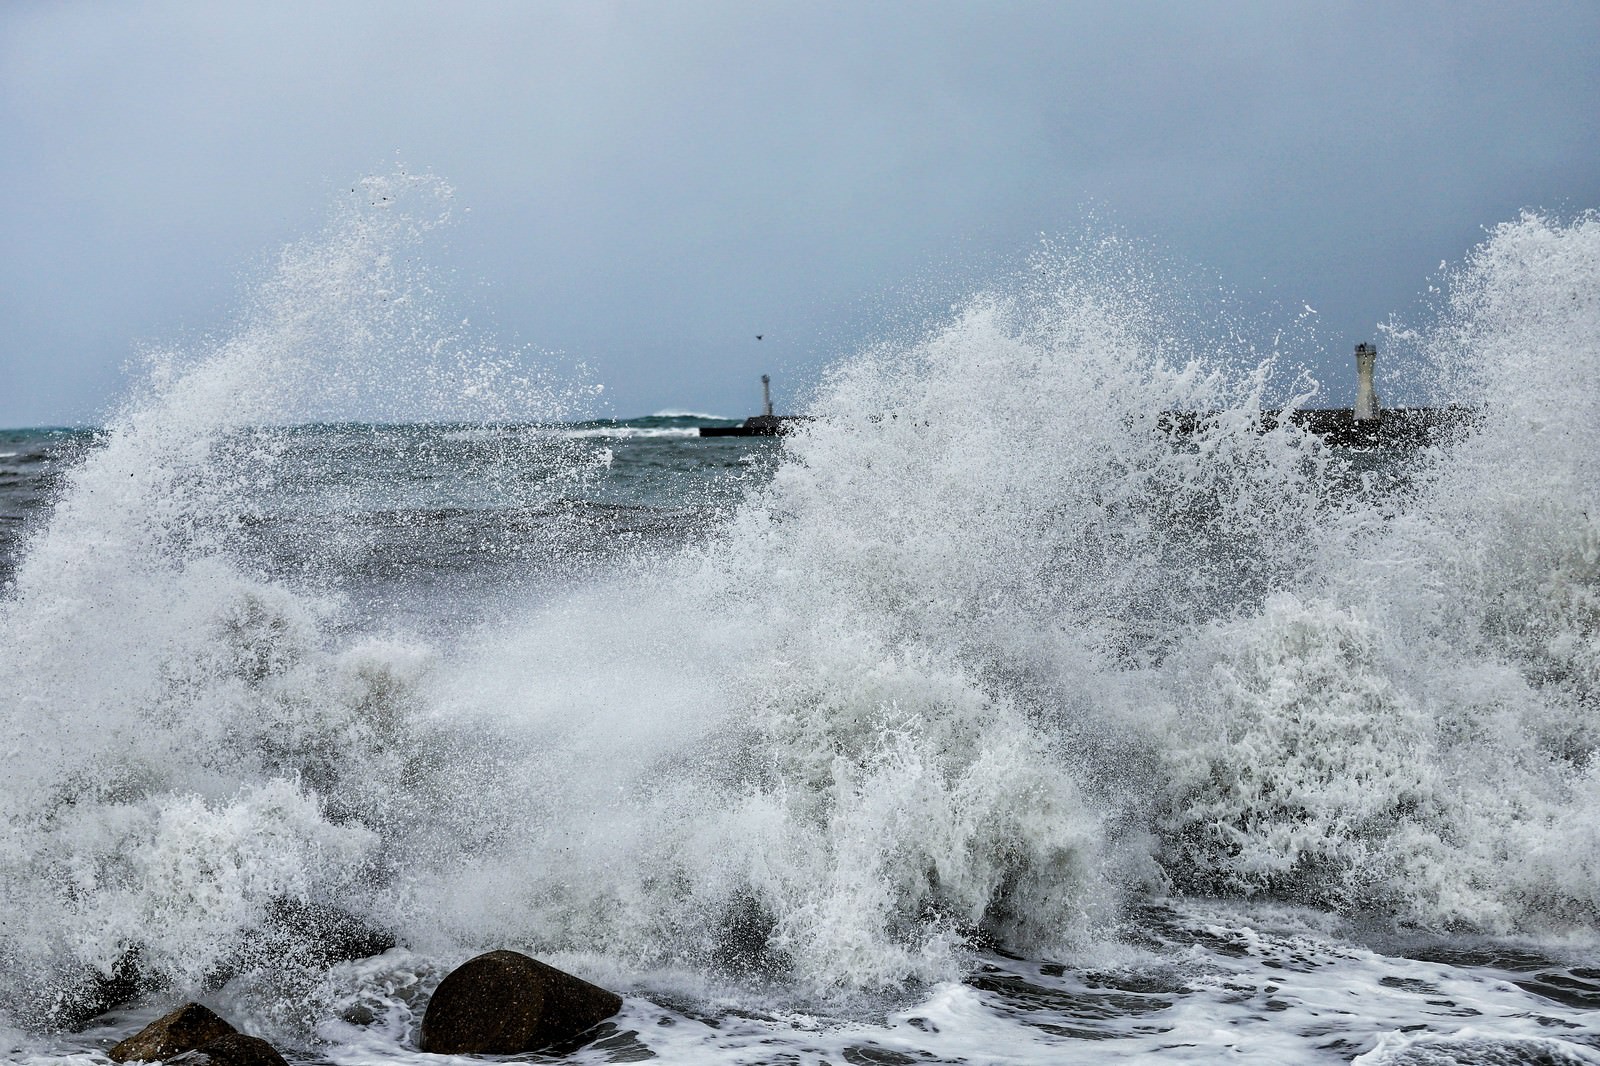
[758,336]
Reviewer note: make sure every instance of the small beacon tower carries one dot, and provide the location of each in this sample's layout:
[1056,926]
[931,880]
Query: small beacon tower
[1366,396]
[766,395]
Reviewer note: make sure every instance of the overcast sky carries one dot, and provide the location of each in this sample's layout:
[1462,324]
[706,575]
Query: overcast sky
[652,184]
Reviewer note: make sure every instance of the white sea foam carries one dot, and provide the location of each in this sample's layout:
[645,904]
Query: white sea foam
[691,414]
[990,658]
[1422,704]
[630,432]
[183,735]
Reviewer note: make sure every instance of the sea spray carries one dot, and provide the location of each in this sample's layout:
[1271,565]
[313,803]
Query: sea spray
[894,718]
[1519,503]
[881,720]
[953,575]
[1409,731]
[187,746]
[991,660]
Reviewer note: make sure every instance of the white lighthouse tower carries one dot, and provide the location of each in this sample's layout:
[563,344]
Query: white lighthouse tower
[1366,396]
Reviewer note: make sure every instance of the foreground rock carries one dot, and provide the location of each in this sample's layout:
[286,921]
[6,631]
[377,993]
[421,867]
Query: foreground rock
[192,1035]
[319,935]
[235,1049]
[504,1003]
[72,1005]
[189,1027]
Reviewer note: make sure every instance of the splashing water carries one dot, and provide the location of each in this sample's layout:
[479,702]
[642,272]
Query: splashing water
[187,744]
[1409,727]
[988,661]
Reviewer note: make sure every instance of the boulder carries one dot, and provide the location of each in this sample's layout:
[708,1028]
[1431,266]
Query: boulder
[319,934]
[505,1003]
[72,1004]
[235,1049]
[187,1028]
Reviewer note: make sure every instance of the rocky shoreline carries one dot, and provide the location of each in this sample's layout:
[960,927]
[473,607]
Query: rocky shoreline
[498,1003]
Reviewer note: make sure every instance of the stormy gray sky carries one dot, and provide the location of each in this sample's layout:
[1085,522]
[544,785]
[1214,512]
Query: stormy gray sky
[652,184]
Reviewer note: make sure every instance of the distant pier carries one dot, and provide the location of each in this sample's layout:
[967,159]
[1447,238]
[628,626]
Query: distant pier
[765,424]
[1367,424]
[756,426]
[1343,427]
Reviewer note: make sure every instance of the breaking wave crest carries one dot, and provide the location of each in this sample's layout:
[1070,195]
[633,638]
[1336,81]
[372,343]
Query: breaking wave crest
[1409,727]
[991,654]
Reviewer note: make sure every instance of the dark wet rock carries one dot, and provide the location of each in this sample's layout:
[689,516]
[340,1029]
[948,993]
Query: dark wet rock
[296,941]
[293,935]
[504,1003]
[360,1014]
[72,1006]
[235,1049]
[744,941]
[321,935]
[189,1027]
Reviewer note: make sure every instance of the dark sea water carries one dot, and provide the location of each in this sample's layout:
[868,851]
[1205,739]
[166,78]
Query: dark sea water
[978,721]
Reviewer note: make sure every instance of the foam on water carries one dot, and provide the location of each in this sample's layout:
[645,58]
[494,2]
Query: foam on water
[1410,725]
[625,432]
[990,661]
[186,743]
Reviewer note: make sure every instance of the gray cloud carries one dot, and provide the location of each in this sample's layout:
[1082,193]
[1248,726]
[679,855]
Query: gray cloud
[652,184]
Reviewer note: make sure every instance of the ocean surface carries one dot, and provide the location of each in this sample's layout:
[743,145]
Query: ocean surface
[979,721]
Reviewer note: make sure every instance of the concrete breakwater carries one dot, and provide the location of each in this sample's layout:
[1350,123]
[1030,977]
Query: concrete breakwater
[1367,424]
[1340,426]
[756,426]
[765,424]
